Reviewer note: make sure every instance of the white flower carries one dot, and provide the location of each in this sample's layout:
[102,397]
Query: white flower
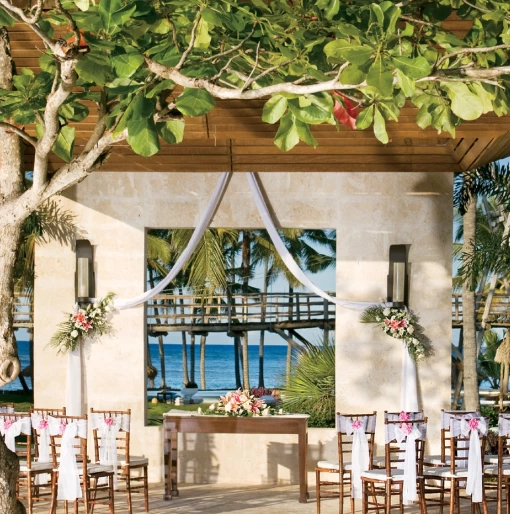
[410,329]
[280,411]
[95,305]
[107,308]
[265,412]
[199,411]
[212,407]
[74,334]
[386,311]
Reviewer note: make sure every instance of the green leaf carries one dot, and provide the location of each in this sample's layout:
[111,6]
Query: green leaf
[195,102]
[143,136]
[5,19]
[415,68]
[114,14]
[365,118]
[47,63]
[352,75]
[465,104]
[171,131]
[406,84]
[74,111]
[126,61]
[380,127]
[203,39]
[355,53]
[64,143]
[330,7]
[83,5]
[274,109]
[391,15]
[312,114]
[423,117]
[380,77]
[287,136]
[212,17]
[486,97]
[90,70]
[305,134]
[162,86]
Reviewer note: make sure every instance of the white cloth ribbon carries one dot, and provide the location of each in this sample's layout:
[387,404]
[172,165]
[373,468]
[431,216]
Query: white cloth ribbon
[402,434]
[474,485]
[107,431]
[41,426]
[68,474]
[12,429]
[360,454]
[73,383]
[504,427]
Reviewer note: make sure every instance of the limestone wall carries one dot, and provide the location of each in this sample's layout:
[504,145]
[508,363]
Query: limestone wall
[370,211]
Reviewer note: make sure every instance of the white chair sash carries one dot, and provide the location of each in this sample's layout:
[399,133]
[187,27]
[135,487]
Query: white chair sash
[504,426]
[108,428]
[68,473]
[360,453]
[11,429]
[472,427]
[408,433]
[41,426]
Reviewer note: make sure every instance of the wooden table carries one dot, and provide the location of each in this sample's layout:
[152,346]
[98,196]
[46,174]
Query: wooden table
[204,424]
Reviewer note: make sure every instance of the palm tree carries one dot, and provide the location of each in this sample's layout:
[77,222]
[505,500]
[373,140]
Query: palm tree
[480,256]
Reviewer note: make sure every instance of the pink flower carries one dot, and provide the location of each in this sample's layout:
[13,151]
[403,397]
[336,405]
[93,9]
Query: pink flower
[356,425]
[394,324]
[109,422]
[407,428]
[81,321]
[8,424]
[62,428]
[473,423]
[43,424]
[404,416]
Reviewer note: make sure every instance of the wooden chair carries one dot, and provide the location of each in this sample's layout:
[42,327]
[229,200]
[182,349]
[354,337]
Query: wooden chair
[7,408]
[37,415]
[20,441]
[343,466]
[393,479]
[443,459]
[132,471]
[78,481]
[501,470]
[456,473]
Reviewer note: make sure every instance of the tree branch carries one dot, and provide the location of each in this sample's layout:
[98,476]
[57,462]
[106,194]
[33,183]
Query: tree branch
[186,52]
[482,50]
[234,48]
[100,127]
[20,132]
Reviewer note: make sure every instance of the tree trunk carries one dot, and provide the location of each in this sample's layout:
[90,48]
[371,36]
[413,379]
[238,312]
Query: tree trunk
[262,319]
[162,361]
[185,375]
[246,368]
[503,384]
[192,358]
[236,362]
[261,359]
[471,394]
[203,339]
[288,366]
[149,363]
[11,186]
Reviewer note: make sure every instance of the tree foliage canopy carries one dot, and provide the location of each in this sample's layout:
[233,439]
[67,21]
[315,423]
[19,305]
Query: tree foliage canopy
[148,64]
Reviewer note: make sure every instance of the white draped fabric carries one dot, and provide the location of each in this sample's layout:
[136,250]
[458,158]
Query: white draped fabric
[360,453]
[68,472]
[472,427]
[73,383]
[41,426]
[11,429]
[503,427]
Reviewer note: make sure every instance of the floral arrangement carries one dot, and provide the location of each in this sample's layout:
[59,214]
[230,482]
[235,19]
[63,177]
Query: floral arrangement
[94,319]
[400,324]
[240,403]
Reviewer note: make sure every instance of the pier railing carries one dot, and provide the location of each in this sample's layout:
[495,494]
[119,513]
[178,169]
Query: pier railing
[499,314]
[23,311]
[238,311]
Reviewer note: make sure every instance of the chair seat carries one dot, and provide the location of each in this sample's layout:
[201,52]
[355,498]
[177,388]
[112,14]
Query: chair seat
[492,469]
[380,474]
[37,467]
[135,462]
[94,469]
[435,460]
[493,459]
[324,464]
[445,472]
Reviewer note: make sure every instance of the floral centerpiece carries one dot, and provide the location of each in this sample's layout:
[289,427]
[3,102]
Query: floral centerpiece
[400,324]
[240,403]
[92,320]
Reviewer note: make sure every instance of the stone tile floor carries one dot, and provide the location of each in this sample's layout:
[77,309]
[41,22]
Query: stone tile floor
[218,499]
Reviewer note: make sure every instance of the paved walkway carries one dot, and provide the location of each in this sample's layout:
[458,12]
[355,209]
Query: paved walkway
[217,499]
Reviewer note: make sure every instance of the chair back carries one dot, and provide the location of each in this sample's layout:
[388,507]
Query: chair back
[40,431]
[344,425]
[446,417]
[16,430]
[403,415]
[398,435]
[7,408]
[503,441]
[111,430]
[461,438]
[58,425]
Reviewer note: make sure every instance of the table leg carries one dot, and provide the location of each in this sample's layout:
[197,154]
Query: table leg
[170,461]
[303,476]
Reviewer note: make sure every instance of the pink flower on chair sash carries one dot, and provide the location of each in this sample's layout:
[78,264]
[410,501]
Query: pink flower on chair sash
[407,428]
[8,424]
[473,424]
[109,422]
[62,428]
[404,416]
[356,425]
[43,424]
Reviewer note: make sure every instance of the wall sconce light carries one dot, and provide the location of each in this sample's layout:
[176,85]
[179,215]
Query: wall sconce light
[398,283]
[84,281]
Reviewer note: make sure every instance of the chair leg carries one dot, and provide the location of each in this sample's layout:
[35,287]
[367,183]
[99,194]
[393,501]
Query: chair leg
[128,490]
[318,490]
[364,497]
[387,497]
[111,497]
[53,502]
[146,488]
[30,501]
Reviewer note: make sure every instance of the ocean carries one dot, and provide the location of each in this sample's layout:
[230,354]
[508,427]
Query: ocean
[219,365]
